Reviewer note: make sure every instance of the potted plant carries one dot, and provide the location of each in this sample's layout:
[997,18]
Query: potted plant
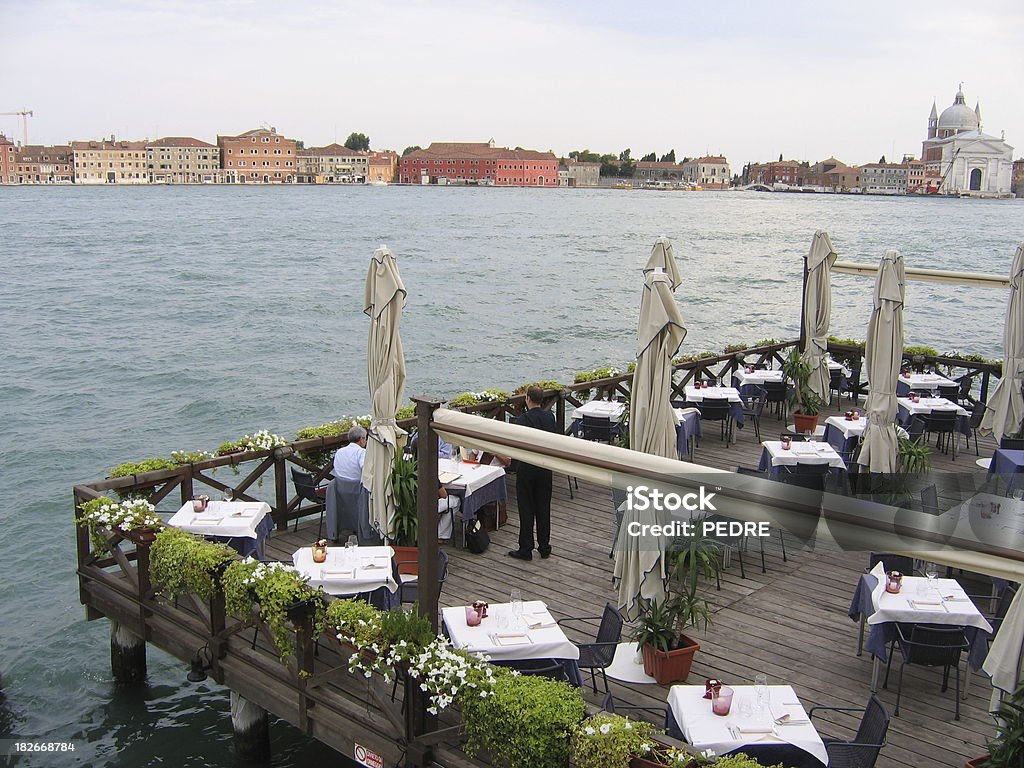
[804,403]
[1007,749]
[609,741]
[132,519]
[668,652]
[405,534]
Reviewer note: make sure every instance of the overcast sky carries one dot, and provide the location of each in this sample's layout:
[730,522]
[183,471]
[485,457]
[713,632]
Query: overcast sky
[750,80]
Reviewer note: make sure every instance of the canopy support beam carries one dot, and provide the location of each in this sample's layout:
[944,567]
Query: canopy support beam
[977,279]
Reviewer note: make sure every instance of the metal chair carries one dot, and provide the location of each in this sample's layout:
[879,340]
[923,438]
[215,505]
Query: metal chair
[752,472]
[949,391]
[717,409]
[598,429]
[810,476]
[1012,444]
[930,500]
[964,394]
[599,654]
[307,490]
[977,414]
[928,645]
[775,394]
[753,407]
[608,705]
[942,424]
[835,383]
[796,437]
[900,563]
[408,583]
[916,427]
[549,668]
[863,751]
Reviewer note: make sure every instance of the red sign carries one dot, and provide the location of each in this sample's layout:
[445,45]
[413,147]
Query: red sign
[366,757]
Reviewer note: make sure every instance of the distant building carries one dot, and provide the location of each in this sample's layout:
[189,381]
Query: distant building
[182,160]
[651,170]
[843,178]
[883,179]
[915,175]
[478,163]
[260,156]
[6,160]
[382,166]
[576,174]
[333,164]
[781,172]
[814,176]
[109,162]
[35,164]
[1018,178]
[959,158]
[710,172]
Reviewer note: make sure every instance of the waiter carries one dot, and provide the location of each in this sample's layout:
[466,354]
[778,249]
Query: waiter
[533,485]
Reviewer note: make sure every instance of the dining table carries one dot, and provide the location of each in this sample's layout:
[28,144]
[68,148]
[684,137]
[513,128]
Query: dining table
[778,728]
[350,571]
[731,394]
[475,484]
[1007,465]
[746,381]
[243,525]
[688,429]
[927,382]
[845,434]
[504,636]
[774,457]
[908,408]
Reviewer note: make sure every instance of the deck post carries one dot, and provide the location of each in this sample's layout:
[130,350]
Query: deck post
[127,655]
[426,494]
[560,411]
[251,727]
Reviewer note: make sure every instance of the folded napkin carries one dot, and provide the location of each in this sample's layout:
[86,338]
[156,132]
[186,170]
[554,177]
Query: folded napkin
[789,714]
[381,561]
[879,572]
[754,729]
[927,605]
[345,573]
[538,620]
[208,520]
[511,638]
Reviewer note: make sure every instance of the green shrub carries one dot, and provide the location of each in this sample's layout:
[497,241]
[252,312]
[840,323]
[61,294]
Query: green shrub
[609,741]
[189,457]
[356,620]
[546,385]
[129,468]
[693,357]
[739,346]
[321,458]
[181,562]
[919,350]
[406,412]
[466,399]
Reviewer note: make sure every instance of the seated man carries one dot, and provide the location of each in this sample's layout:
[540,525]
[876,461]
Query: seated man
[348,461]
[447,511]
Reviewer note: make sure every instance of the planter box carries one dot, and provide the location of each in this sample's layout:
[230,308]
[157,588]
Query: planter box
[407,559]
[671,667]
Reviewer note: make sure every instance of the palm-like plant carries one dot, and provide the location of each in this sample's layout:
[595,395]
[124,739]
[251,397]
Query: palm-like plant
[802,399]
[404,479]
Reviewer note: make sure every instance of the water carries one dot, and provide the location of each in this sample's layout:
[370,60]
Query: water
[135,322]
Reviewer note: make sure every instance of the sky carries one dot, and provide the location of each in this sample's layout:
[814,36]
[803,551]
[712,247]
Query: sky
[750,80]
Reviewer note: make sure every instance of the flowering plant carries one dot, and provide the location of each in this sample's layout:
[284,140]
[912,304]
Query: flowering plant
[190,457]
[104,513]
[609,741]
[475,398]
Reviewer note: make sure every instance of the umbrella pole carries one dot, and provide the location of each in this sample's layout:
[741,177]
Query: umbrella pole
[803,311]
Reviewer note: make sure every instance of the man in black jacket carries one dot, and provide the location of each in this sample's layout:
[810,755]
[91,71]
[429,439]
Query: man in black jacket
[533,485]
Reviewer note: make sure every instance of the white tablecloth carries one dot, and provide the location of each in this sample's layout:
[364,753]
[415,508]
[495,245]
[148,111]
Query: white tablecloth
[601,409]
[473,477]
[370,570]
[803,453]
[942,602]
[929,404]
[976,520]
[929,381]
[703,729]
[848,428]
[834,366]
[510,643]
[712,393]
[222,518]
[758,377]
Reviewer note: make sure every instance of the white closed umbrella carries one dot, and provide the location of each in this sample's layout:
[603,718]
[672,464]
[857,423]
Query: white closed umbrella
[818,311]
[883,354]
[1005,409]
[663,257]
[1005,660]
[640,570]
[384,300]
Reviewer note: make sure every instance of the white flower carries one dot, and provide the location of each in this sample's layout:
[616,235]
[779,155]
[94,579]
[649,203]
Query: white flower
[606,728]
[589,731]
[629,726]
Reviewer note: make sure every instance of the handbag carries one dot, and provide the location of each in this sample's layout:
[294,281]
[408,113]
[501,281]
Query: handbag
[477,538]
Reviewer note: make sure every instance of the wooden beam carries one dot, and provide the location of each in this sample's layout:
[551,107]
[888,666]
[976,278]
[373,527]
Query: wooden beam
[977,279]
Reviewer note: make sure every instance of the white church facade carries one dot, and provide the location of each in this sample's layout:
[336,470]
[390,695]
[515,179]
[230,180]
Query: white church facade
[960,159]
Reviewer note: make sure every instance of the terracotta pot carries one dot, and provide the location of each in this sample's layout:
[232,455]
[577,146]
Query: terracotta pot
[975,762]
[671,667]
[805,423]
[141,535]
[408,560]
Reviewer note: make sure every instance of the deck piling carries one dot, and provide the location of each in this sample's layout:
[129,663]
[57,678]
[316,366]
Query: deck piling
[127,655]
[251,726]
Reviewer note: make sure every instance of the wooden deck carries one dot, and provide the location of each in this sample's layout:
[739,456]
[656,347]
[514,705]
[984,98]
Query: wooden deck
[790,623]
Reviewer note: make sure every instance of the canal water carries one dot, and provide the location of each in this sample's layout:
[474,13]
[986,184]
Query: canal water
[136,322]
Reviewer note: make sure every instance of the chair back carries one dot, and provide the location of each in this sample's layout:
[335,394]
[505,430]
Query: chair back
[835,377]
[550,668]
[813,482]
[930,500]
[755,400]
[597,428]
[714,409]
[900,563]
[305,486]
[871,733]
[610,629]
[977,414]
[949,391]
[796,437]
[1005,598]
[965,389]
[915,430]
[1012,444]
[941,421]
[930,645]
[750,471]
[775,391]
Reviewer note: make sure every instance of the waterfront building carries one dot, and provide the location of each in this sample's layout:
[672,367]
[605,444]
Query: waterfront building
[815,175]
[652,170]
[109,162]
[36,164]
[182,160]
[259,156]
[883,179]
[780,172]
[572,173]
[915,174]
[6,160]
[959,158]
[1018,178]
[478,163]
[382,166]
[843,178]
[333,164]
[710,172]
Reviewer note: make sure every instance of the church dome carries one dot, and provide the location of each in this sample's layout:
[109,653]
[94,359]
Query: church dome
[958,117]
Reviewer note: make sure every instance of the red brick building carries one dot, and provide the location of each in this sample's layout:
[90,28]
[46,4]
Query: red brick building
[781,172]
[37,164]
[6,160]
[1018,178]
[260,156]
[478,163]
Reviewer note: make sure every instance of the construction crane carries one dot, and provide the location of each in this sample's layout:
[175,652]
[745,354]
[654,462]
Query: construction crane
[25,114]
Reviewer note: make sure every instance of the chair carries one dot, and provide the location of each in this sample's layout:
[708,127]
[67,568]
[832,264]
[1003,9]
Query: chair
[550,668]
[916,427]
[599,654]
[854,386]
[949,391]
[753,407]
[1012,444]
[942,424]
[930,500]
[863,751]
[900,563]
[598,429]
[717,409]
[977,414]
[608,705]
[408,583]
[835,382]
[796,437]
[928,645]
[810,476]
[775,394]
[752,472]
[307,490]
[964,395]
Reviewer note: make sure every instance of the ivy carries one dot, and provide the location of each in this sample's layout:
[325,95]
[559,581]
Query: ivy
[181,563]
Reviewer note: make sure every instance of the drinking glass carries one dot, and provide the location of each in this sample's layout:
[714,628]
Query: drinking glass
[721,700]
[516,605]
[761,690]
[931,570]
[229,494]
[1018,495]
[746,707]
[350,550]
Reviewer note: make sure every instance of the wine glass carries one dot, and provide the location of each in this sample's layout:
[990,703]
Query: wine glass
[761,689]
[229,494]
[516,603]
[931,570]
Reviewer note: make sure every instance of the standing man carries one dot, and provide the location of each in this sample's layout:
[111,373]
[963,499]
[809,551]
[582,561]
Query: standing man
[533,485]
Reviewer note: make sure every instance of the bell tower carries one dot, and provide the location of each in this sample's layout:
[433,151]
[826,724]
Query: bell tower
[933,122]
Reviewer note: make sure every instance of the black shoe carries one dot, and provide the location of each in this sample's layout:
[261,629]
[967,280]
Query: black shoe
[520,555]
[545,554]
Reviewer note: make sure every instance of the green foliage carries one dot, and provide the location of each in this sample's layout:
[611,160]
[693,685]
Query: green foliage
[739,346]
[411,149]
[397,626]
[103,514]
[404,481]
[190,457]
[797,371]
[355,620]
[525,722]
[274,588]
[631,367]
[546,385]
[768,342]
[919,350]
[1007,750]
[359,142]
[670,157]
[129,468]
[913,456]
[693,357]
[609,741]
[740,760]
[406,412]
[465,399]
[322,458]
[585,156]
[656,625]
[650,157]
[597,374]
[181,562]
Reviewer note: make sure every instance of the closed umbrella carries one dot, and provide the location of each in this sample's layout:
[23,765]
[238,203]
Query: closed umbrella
[383,301]
[883,354]
[817,311]
[1006,405]
[1005,660]
[663,258]
[640,560]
